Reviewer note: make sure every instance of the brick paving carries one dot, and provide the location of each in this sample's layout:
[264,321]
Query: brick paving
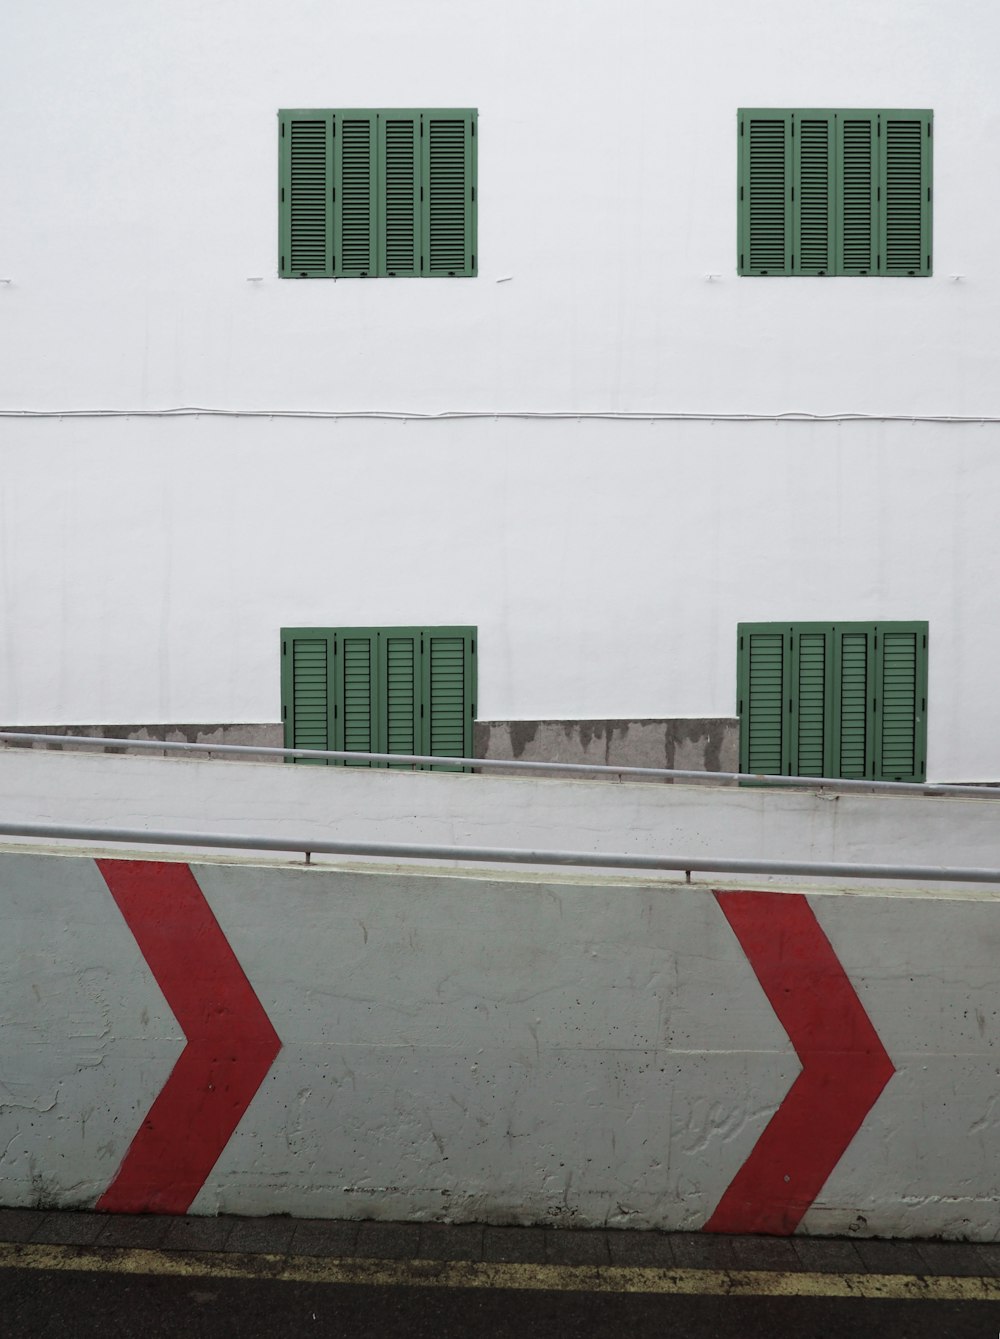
[374,1240]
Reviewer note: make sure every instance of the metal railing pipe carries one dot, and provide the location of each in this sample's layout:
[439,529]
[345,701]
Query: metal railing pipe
[515,765]
[503,855]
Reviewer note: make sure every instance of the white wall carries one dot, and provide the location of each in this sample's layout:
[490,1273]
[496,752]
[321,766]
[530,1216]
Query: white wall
[147,565]
[504,1051]
[144,156]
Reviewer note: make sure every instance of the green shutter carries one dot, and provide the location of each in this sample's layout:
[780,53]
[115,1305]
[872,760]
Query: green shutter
[900,701]
[449,692]
[355,160]
[305,161]
[853,726]
[399,692]
[307,655]
[847,700]
[813,206]
[356,692]
[857,171]
[809,741]
[905,209]
[448,176]
[765,187]
[764,672]
[399,193]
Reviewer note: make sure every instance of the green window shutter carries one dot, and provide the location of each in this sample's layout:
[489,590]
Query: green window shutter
[356,692]
[399,193]
[810,700]
[764,679]
[813,206]
[449,692]
[858,168]
[765,189]
[448,178]
[852,697]
[305,164]
[905,207]
[355,180]
[900,701]
[399,692]
[307,656]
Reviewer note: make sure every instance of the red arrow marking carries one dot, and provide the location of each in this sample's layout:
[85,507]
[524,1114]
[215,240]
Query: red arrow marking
[844,1065]
[230,1041]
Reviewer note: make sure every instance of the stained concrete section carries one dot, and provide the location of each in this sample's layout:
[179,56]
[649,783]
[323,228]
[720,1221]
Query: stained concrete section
[265,734]
[702,744]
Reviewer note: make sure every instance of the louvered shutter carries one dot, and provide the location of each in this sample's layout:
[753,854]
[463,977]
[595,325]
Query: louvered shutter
[857,179]
[355,161]
[810,698]
[765,188]
[813,204]
[399,692]
[305,211]
[764,678]
[307,657]
[852,725]
[905,207]
[449,692]
[399,193]
[448,178]
[356,692]
[900,702]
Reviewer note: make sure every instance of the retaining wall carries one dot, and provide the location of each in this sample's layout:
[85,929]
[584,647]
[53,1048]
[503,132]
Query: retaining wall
[258,1038]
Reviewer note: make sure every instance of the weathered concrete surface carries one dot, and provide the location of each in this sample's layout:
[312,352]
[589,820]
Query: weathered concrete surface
[574,1051]
[264,734]
[698,744]
[377,804]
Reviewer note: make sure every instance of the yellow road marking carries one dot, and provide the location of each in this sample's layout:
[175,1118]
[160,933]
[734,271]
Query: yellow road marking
[474,1274]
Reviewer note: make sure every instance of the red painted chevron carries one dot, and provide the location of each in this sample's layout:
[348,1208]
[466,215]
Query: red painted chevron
[844,1064]
[231,1044]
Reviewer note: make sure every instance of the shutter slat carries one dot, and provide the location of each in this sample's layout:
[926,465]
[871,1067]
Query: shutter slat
[448,179]
[905,206]
[356,203]
[305,181]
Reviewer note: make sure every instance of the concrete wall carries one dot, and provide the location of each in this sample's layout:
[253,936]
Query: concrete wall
[444,808]
[430,1046]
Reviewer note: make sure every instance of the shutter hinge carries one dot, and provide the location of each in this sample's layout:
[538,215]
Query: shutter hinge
[474,646]
[282,195]
[284,648]
[333,193]
[282,130]
[793,192]
[282,262]
[472,710]
[421,264]
[473,194]
[421,194]
[739,707]
[421,711]
[336,711]
[472,126]
[421,127]
[284,713]
[741,130]
[789,704]
[878,193]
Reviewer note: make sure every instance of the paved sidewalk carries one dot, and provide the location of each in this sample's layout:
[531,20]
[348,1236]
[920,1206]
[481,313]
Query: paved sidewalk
[500,1245]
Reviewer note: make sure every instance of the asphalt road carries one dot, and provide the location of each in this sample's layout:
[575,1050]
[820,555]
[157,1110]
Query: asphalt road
[61,1305]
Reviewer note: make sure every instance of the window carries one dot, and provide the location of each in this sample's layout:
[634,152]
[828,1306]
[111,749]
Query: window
[364,193]
[835,192]
[823,699]
[379,690]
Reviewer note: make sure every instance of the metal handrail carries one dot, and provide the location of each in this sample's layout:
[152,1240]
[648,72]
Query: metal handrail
[515,765]
[504,855]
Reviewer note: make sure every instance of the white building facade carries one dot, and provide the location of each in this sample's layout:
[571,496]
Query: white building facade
[600,453]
